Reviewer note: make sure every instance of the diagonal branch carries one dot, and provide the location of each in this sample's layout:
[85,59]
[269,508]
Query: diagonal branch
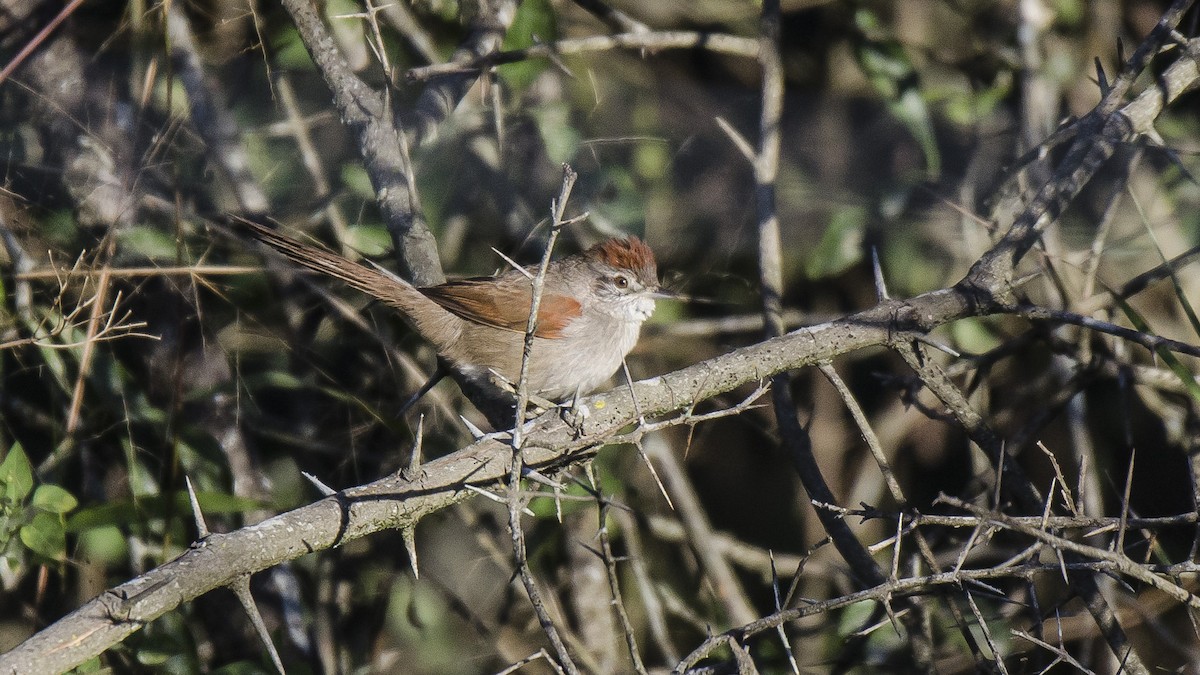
[381,145]
[400,501]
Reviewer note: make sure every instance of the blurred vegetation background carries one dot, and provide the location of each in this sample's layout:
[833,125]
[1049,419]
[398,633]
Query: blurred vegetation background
[140,344]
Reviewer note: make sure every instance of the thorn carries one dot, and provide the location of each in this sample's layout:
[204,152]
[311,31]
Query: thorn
[939,346]
[513,263]
[593,486]
[241,588]
[536,477]
[496,498]
[774,580]
[787,647]
[324,489]
[485,493]
[414,462]
[840,511]
[1101,78]
[502,381]
[409,535]
[577,219]
[739,141]
[891,614]
[556,59]
[197,514]
[1119,545]
[1023,279]
[1152,134]
[558,512]
[637,406]
[1173,155]
[881,292]
[654,473]
[543,403]
[475,431]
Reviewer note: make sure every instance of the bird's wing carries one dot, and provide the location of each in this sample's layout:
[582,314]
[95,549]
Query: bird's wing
[504,304]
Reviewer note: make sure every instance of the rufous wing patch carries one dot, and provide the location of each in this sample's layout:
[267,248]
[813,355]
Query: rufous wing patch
[504,306]
[554,315]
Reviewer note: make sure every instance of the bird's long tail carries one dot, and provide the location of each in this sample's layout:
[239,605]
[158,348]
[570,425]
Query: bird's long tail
[376,282]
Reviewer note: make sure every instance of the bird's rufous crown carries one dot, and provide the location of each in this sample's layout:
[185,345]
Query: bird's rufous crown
[630,254]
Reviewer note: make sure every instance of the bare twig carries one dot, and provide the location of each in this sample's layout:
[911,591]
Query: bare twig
[614,585]
[1119,561]
[716,42]
[520,561]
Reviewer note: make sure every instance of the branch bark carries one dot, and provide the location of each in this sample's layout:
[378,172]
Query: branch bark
[400,501]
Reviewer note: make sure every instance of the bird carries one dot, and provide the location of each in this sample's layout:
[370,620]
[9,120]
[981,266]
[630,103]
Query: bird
[591,312]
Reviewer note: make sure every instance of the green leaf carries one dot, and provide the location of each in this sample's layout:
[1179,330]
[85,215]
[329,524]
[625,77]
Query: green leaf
[104,545]
[240,668]
[92,665]
[142,480]
[1181,371]
[54,360]
[546,507]
[16,475]
[110,514]
[1188,310]
[13,561]
[357,181]
[558,135]
[60,227]
[54,499]
[149,242]
[218,502]
[152,657]
[128,511]
[974,335]
[840,246]
[275,379]
[370,240]
[886,63]
[45,536]
[290,53]
[652,160]
[1069,13]
[533,23]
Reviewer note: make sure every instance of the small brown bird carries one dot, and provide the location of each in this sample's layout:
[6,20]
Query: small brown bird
[592,308]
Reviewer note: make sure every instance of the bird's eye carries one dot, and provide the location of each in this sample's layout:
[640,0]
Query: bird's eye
[621,281]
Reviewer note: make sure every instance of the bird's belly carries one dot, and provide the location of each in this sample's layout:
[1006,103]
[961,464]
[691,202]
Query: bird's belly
[558,367]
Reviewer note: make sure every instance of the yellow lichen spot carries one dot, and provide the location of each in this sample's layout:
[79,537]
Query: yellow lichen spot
[600,404]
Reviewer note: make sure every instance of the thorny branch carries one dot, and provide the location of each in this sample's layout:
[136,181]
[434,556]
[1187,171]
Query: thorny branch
[547,444]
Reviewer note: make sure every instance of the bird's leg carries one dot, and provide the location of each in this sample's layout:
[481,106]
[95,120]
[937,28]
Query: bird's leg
[575,414]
